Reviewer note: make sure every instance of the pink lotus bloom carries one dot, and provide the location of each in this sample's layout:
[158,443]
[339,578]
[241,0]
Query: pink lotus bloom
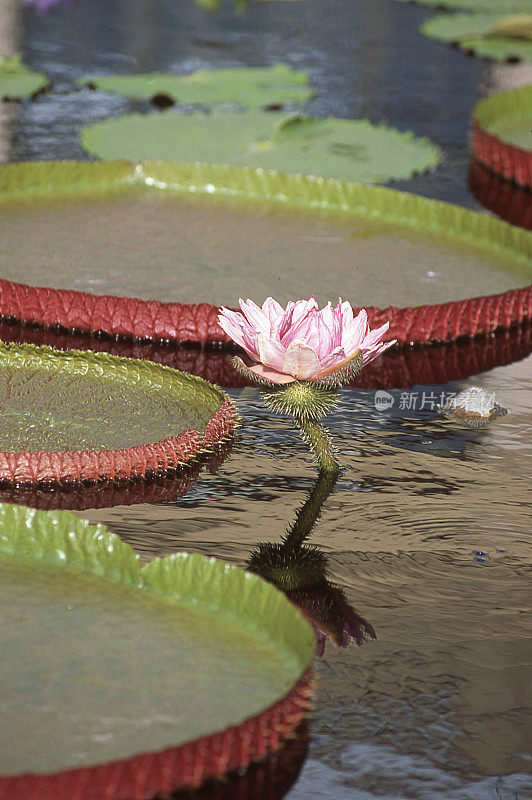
[301,342]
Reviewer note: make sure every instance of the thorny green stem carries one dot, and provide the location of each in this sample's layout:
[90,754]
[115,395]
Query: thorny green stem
[320,442]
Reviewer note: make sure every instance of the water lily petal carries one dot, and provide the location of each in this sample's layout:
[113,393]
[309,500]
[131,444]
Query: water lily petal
[271,353]
[234,325]
[337,366]
[356,331]
[376,351]
[301,361]
[374,336]
[255,316]
[273,310]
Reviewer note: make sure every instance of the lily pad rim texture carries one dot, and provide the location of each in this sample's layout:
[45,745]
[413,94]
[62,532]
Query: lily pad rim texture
[65,541]
[511,162]
[77,466]
[473,6]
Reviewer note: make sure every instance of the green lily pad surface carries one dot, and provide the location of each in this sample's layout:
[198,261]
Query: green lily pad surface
[331,148]
[242,86]
[208,231]
[508,115]
[18,81]
[52,401]
[495,6]
[103,659]
[486,35]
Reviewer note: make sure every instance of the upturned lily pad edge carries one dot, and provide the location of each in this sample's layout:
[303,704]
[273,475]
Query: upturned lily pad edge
[511,162]
[502,49]
[61,539]
[29,182]
[79,466]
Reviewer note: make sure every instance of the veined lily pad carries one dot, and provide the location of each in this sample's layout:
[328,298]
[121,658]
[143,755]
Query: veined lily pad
[495,6]
[18,81]
[330,148]
[196,663]
[496,36]
[77,416]
[242,86]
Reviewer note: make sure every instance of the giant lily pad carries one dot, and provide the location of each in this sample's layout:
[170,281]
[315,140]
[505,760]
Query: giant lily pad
[496,36]
[209,230]
[196,663]
[77,416]
[242,86]
[18,81]
[330,148]
[507,115]
[502,135]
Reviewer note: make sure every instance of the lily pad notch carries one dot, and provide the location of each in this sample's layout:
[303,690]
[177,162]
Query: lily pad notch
[60,543]
[141,460]
[502,135]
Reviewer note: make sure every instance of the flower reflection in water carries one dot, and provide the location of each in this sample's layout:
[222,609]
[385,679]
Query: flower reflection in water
[300,571]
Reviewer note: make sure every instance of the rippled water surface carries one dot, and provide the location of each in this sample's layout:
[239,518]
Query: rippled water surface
[428,529]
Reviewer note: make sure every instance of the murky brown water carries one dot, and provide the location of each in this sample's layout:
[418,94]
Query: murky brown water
[188,251]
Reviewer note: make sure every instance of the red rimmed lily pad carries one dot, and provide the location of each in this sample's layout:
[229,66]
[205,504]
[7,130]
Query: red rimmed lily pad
[502,135]
[81,416]
[136,681]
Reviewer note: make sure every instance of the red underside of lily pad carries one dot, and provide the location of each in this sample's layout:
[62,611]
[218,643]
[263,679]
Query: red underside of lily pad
[158,321]
[507,160]
[188,766]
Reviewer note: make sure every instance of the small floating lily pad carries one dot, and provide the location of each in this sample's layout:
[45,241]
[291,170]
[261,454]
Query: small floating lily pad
[18,81]
[76,415]
[496,36]
[242,86]
[103,660]
[332,148]
[495,6]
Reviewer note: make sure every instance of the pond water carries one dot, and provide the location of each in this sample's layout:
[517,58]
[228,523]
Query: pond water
[428,529]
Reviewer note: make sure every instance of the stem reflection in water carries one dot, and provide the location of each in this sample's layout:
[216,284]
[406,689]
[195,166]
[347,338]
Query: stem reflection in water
[300,571]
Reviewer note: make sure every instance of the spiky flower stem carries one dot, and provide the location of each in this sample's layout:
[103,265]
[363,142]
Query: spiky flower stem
[320,443]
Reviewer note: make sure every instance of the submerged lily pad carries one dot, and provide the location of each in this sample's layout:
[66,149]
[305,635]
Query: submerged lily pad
[331,148]
[103,660]
[495,36]
[18,81]
[495,6]
[83,416]
[242,86]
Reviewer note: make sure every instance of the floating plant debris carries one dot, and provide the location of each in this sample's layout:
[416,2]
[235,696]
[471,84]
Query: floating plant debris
[473,407]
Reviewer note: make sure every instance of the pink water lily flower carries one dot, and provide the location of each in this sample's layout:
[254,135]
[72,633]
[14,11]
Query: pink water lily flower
[301,342]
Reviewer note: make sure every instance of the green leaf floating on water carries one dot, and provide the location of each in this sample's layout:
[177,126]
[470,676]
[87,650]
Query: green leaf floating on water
[494,6]
[17,81]
[143,658]
[508,116]
[242,86]
[352,150]
[497,36]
